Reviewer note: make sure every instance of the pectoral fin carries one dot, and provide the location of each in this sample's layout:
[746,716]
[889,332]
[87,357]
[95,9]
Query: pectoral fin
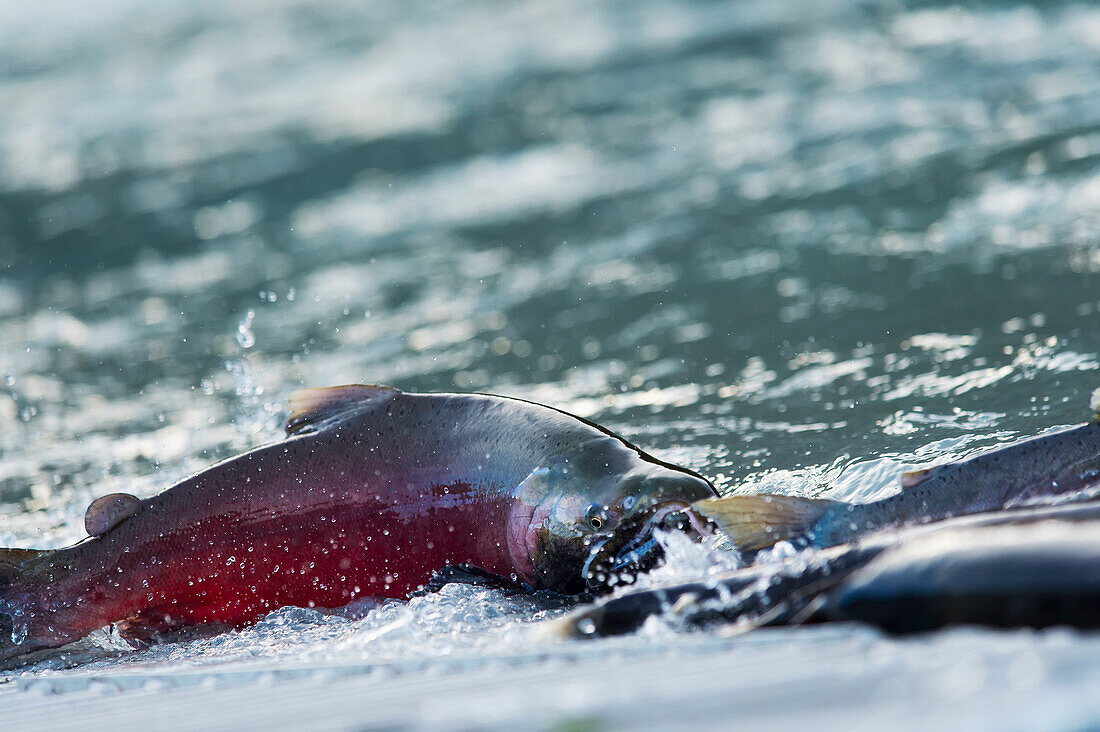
[755,522]
[468,574]
[152,628]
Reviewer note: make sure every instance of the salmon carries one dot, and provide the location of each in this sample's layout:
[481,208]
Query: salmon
[1027,567]
[372,492]
[1060,463]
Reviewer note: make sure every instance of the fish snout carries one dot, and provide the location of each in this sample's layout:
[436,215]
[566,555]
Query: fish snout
[675,485]
[633,547]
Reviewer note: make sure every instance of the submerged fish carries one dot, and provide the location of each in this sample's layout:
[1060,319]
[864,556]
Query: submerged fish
[374,490]
[1007,577]
[1059,463]
[1027,567]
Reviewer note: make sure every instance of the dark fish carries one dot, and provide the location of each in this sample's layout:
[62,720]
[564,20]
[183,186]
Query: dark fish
[1008,577]
[1059,463]
[892,579]
[373,491]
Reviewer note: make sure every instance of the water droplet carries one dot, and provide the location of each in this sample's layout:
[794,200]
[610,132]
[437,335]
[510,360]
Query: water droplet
[245,336]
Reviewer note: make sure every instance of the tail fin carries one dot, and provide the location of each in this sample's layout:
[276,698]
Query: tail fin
[13,628]
[755,522]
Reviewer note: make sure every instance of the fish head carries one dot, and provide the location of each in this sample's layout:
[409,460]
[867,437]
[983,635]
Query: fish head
[586,518]
[630,546]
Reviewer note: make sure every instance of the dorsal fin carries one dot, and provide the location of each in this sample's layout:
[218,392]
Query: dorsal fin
[913,478]
[11,562]
[107,512]
[312,409]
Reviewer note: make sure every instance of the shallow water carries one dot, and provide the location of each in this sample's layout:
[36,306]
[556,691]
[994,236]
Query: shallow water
[795,246]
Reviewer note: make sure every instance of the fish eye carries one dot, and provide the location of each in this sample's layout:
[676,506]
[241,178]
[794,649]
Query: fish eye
[595,516]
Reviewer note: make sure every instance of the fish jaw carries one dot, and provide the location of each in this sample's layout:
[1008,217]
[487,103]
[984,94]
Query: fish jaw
[664,497]
[633,548]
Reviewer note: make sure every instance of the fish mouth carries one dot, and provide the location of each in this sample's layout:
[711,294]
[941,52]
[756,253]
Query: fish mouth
[632,548]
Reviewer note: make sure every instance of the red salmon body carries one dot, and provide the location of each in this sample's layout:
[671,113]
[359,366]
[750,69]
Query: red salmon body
[373,492]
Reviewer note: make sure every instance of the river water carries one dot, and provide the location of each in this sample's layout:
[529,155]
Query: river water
[796,246]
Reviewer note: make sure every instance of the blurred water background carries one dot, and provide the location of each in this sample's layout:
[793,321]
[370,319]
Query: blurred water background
[796,246]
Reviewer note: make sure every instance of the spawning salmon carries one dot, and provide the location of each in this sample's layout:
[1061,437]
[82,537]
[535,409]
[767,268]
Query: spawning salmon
[372,492]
